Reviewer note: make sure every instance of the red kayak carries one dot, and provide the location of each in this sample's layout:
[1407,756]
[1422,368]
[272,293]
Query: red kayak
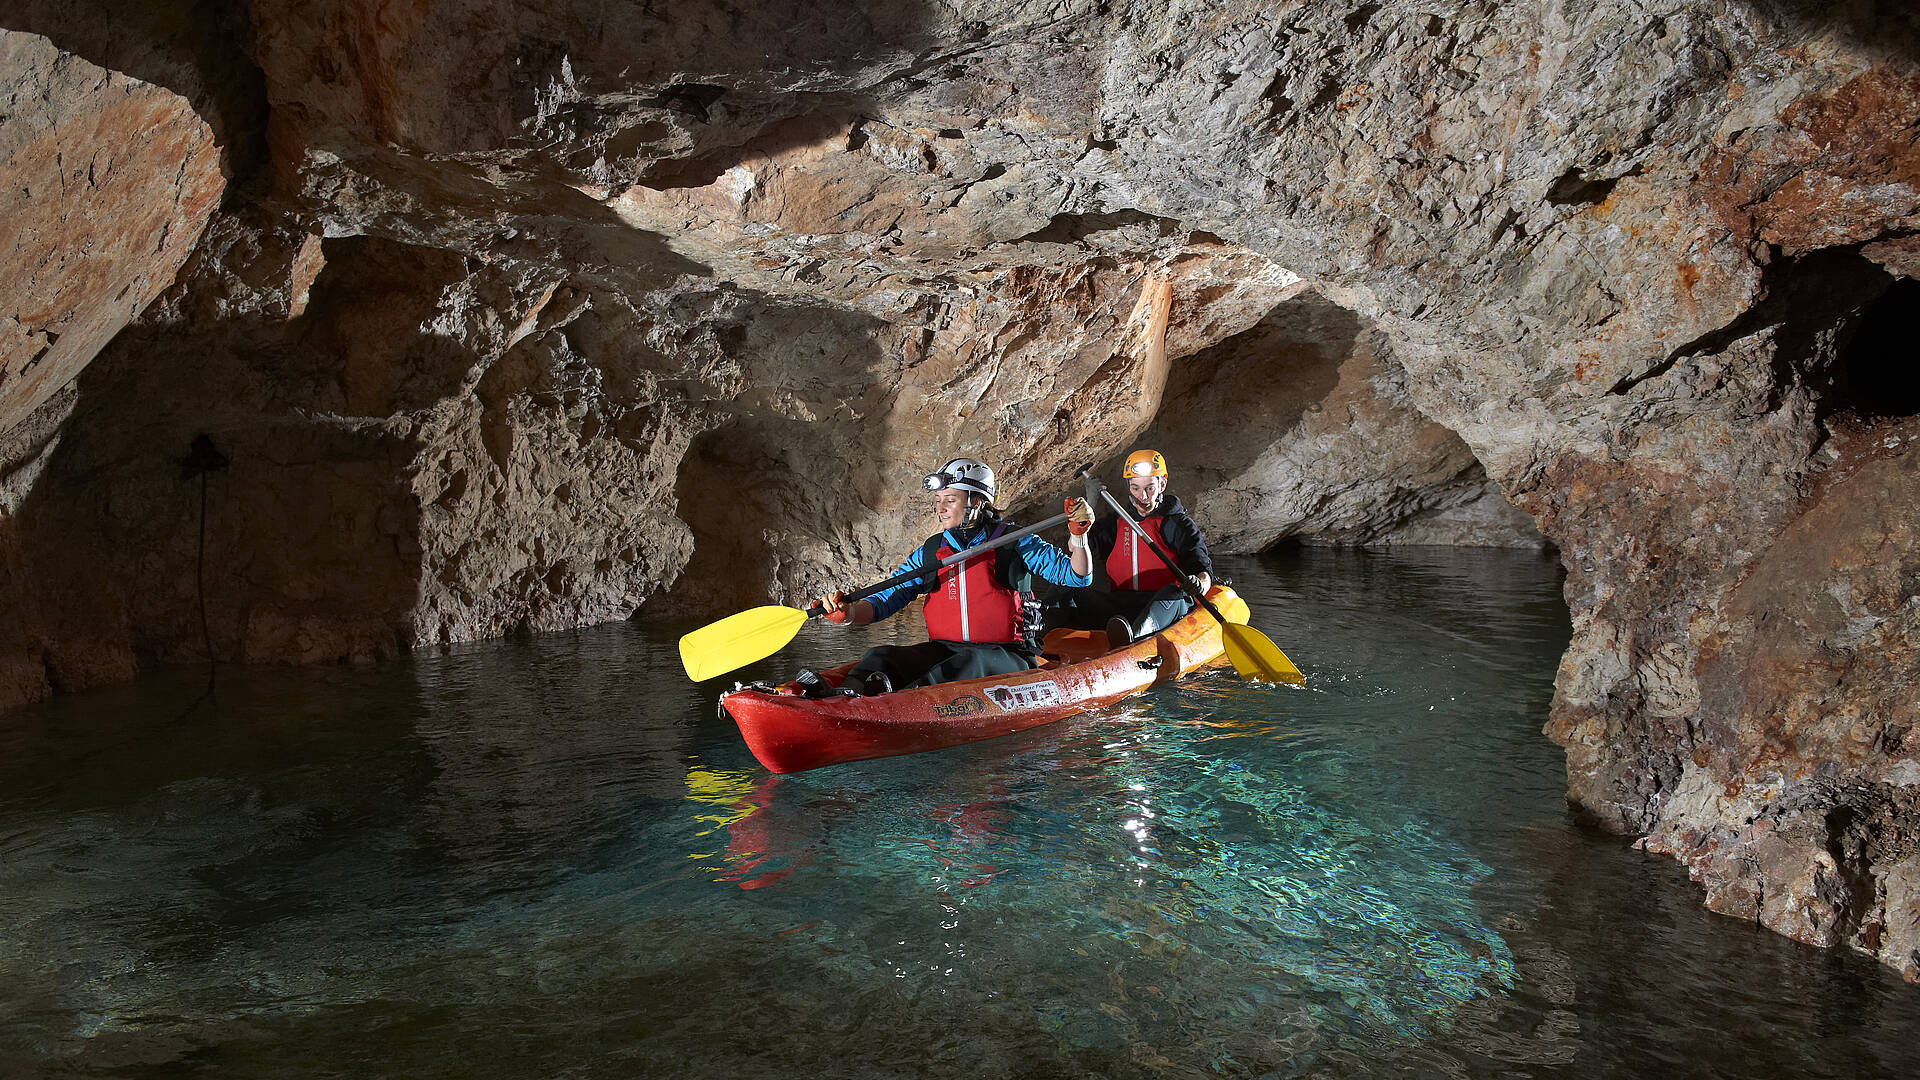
[1077,672]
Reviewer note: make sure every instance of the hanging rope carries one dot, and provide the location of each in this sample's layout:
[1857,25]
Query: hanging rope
[203,458]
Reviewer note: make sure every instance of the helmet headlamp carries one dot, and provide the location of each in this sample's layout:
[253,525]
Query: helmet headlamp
[1143,463]
[964,474]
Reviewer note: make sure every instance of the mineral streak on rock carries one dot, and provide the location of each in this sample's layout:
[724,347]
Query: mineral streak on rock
[520,316]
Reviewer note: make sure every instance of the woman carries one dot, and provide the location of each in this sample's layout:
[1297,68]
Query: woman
[979,612]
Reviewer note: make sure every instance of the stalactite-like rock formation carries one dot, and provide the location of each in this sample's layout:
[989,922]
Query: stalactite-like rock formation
[514,315]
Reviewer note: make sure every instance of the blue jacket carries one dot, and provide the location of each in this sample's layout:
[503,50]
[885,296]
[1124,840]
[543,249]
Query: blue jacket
[1045,560]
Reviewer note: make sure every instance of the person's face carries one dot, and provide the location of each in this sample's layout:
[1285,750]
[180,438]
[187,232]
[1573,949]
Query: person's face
[1145,491]
[950,506]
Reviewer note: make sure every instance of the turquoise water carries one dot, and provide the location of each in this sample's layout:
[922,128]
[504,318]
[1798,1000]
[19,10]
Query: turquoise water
[551,858]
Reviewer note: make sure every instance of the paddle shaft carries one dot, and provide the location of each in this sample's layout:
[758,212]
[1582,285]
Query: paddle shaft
[929,571]
[1186,583]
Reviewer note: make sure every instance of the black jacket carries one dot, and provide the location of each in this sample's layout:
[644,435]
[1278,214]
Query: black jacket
[1182,536]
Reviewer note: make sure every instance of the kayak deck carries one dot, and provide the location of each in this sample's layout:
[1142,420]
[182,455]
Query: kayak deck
[1078,672]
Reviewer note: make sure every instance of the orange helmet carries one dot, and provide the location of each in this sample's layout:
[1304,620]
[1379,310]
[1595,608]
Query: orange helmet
[1146,463]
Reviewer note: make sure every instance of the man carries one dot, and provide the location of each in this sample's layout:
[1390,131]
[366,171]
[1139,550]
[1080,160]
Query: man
[1146,598]
[978,611]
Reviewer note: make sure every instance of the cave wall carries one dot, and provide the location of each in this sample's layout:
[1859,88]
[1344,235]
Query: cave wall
[1301,428]
[513,315]
[110,182]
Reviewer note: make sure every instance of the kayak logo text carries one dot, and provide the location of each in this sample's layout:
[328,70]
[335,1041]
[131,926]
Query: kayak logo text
[1031,695]
[960,706]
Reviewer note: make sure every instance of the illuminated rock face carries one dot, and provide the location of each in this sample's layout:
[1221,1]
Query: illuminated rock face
[109,183]
[535,315]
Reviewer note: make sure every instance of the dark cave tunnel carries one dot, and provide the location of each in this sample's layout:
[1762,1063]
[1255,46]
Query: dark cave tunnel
[1876,370]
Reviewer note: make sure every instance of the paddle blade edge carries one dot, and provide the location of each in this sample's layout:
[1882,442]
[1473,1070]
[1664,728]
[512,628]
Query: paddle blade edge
[1257,658]
[738,640]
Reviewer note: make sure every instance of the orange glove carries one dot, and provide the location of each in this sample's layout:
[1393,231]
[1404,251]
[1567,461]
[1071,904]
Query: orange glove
[836,604]
[1079,517]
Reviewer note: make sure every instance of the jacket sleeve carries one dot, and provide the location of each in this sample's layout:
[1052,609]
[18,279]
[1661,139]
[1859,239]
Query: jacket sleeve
[887,601]
[1189,549]
[1050,563]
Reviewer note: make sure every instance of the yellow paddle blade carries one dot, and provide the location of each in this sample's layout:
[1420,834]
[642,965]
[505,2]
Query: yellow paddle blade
[1257,658]
[738,640]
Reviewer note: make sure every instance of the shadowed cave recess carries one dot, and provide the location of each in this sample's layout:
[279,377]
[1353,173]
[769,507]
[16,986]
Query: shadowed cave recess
[510,318]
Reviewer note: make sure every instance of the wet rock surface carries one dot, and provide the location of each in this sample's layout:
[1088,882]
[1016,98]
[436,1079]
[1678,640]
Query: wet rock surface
[512,316]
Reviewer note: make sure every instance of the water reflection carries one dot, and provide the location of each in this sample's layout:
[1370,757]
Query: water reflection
[1102,846]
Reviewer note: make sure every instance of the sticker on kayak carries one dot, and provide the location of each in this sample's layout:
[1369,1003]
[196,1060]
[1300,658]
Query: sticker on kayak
[1031,695]
[960,706]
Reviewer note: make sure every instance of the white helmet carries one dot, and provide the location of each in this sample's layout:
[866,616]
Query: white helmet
[964,474]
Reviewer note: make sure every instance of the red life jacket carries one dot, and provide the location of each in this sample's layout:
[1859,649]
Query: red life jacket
[969,602]
[1132,564]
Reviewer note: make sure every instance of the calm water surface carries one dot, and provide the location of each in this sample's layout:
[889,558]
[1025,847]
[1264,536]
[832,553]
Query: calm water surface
[553,859]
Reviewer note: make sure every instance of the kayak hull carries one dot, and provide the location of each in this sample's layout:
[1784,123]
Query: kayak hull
[788,733]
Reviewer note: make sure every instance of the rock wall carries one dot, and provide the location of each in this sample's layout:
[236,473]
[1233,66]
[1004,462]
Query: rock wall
[1301,426]
[109,184]
[522,316]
